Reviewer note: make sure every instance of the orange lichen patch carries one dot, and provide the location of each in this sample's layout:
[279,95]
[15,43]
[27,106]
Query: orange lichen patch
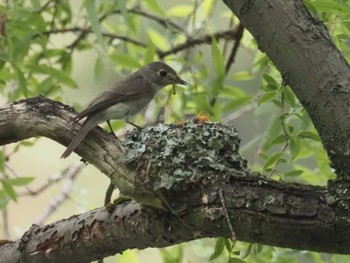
[202,117]
[180,122]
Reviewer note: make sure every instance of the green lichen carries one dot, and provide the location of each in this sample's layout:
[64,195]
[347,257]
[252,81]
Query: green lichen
[178,155]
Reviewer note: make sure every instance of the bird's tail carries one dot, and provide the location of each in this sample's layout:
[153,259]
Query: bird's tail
[87,126]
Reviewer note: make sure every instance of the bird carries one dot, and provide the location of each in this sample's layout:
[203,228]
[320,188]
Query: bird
[124,98]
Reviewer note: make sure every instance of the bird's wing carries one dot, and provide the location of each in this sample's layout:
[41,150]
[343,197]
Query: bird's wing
[125,90]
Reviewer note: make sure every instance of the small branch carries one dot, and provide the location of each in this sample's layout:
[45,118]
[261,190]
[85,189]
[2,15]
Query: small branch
[43,117]
[247,107]
[238,37]
[206,39]
[162,21]
[5,223]
[53,179]
[67,187]
[260,210]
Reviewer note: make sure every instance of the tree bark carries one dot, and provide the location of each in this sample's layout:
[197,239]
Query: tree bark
[260,210]
[303,51]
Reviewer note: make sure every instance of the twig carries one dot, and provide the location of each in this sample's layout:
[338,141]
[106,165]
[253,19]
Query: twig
[238,36]
[5,224]
[285,132]
[72,172]
[55,10]
[136,10]
[54,178]
[206,39]
[248,107]
[164,22]
[109,192]
[222,199]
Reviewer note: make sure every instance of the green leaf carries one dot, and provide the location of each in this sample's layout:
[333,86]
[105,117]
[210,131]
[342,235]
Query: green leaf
[269,87]
[22,83]
[180,10]
[258,248]
[228,244]
[125,14]
[217,59]
[95,25]
[267,96]
[125,60]
[153,6]
[274,158]
[293,173]
[150,51]
[310,135]
[157,39]
[208,7]
[278,140]
[270,80]
[60,75]
[247,251]
[241,76]
[8,189]
[21,181]
[219,248]
[99,68]
[172,254]
[236,260]
[331,7]
[295,147]
[46,86]
[289,96]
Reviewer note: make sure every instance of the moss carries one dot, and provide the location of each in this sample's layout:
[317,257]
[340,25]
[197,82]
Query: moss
[169,156]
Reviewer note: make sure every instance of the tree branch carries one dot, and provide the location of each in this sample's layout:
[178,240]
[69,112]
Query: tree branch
[43,117]
[261,210]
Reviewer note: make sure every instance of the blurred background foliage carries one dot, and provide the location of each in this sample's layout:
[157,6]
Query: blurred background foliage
[71,50]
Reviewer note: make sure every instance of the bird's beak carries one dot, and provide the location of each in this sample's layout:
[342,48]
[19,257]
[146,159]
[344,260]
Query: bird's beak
[176,80]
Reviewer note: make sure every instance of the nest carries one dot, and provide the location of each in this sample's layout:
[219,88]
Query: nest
[168,156]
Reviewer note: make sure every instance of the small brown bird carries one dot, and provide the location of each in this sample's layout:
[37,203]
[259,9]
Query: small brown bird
[124,98]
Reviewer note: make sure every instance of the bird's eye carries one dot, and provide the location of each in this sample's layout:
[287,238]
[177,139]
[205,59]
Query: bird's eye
[162,73]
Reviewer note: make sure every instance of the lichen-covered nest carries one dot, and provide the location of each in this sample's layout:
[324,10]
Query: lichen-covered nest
[178,155]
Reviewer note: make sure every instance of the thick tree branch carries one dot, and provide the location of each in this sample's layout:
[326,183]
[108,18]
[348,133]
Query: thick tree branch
[43,117]
[260,210]
[309,62]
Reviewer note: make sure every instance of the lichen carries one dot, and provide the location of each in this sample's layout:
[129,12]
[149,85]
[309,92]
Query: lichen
[178,155]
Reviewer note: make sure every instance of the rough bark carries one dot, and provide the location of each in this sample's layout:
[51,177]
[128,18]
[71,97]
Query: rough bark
[39,116]
[260,210]
[303,51]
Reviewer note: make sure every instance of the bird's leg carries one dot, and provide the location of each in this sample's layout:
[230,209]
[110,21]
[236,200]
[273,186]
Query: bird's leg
[109,125]
[112,132]
[126,119]
[133,124]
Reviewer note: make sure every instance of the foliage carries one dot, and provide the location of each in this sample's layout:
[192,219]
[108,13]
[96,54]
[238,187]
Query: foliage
[40,41]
